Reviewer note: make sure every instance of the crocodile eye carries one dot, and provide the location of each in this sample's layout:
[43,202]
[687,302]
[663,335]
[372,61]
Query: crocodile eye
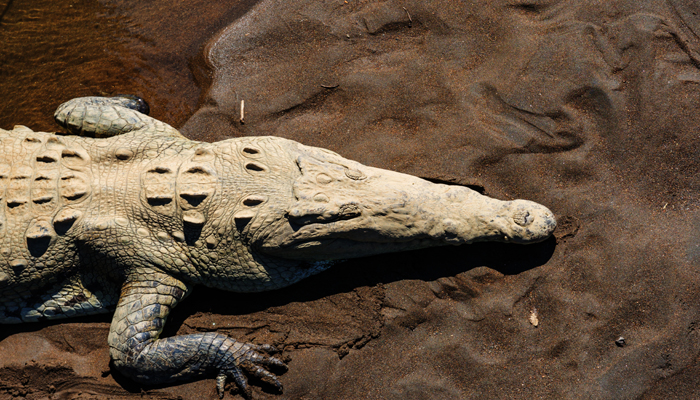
[354,174]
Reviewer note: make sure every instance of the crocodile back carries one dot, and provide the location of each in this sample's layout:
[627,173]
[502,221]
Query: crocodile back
[44,186]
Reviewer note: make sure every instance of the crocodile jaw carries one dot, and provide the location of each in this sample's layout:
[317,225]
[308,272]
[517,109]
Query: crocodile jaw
[343,209]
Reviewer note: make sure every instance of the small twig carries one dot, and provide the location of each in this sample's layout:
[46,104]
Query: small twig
[329,86]
[410,20]
[242,112]
[63,336]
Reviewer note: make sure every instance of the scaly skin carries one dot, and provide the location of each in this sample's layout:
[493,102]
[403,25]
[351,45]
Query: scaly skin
[128,212]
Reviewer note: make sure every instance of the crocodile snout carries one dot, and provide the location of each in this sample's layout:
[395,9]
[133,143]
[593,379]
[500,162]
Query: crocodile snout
[532,222]
[343,209]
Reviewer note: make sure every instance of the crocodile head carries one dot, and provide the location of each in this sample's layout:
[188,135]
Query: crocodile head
[343,209]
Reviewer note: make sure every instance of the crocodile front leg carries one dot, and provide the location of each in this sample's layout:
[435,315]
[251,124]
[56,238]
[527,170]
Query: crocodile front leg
[146,301]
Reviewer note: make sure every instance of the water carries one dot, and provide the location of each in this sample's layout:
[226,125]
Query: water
[54,50]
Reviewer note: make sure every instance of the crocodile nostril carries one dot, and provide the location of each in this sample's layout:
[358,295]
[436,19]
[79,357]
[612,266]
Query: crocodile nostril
[522,218]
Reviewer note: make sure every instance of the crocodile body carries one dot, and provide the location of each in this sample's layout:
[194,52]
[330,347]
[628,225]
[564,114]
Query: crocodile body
[127,212]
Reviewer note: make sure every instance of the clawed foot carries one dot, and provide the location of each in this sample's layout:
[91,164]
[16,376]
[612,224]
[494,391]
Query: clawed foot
[103,117]
[246,357]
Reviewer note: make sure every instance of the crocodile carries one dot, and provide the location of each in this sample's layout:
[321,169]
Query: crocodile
[123,214]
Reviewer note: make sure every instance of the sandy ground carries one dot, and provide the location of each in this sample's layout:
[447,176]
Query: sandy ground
[589,107]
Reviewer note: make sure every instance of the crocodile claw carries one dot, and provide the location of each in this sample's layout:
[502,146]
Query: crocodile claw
[251,362]
[137,103]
